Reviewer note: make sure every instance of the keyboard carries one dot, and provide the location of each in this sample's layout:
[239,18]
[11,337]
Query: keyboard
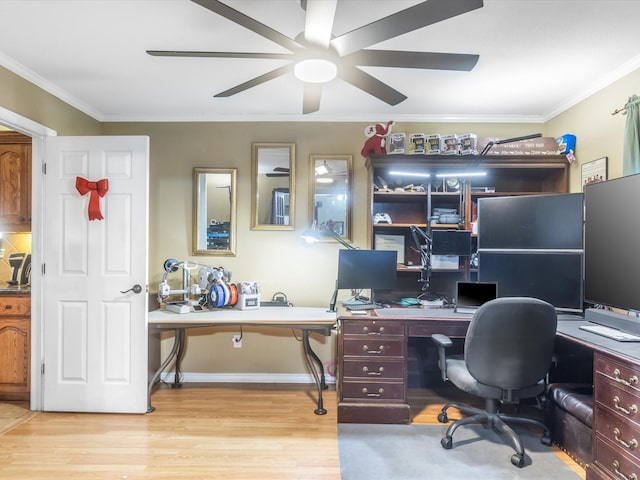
[362,306]
[612,333]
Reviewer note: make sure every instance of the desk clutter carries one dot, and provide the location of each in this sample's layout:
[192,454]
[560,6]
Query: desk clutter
[210,288]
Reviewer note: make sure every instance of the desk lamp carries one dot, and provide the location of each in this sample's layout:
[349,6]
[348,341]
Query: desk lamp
[313,236]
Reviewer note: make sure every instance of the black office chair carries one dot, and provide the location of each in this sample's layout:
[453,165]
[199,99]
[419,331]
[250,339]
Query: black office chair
[507,355]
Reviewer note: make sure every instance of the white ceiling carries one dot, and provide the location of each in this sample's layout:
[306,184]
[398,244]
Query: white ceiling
[537,58]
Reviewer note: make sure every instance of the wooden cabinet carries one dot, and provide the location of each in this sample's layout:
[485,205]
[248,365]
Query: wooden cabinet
[15,182]
[616,444]
[372,365]
[15,341]
[414,191]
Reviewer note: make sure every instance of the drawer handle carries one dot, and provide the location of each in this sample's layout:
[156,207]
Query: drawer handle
[365,390]
[633,443]
[633,381]
[379,332]
[373,352]
[7,307]
[616,466]
[632,409]
[373,374]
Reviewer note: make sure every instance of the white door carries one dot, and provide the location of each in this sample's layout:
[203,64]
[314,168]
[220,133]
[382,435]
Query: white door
[95,336]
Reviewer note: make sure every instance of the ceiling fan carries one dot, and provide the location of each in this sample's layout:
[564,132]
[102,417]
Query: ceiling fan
[321,53]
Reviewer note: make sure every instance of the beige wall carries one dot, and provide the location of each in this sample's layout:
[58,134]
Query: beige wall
[279,260]
[598,133]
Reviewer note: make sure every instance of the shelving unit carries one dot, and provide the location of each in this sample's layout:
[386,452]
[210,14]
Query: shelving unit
[506,175]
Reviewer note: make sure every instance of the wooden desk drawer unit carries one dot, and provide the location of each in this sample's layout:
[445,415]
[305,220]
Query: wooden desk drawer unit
[372,368]
[616,419]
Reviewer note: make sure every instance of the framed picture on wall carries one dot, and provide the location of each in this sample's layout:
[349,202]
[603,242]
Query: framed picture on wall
[594,171]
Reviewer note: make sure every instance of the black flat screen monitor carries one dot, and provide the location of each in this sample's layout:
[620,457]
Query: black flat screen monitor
[367,269]
[475,294]
[551,221]
[451,242]
[612,243]
[555,277]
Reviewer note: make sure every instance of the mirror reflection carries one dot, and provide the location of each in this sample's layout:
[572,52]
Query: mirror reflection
[273,186]
[330,191]
[214,212]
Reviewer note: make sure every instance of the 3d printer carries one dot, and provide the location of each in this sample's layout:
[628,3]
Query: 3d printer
[212,287]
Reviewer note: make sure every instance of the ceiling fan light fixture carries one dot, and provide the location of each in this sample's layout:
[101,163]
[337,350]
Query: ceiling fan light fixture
[315,70]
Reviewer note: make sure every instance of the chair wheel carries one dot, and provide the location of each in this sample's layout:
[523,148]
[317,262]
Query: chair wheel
[546,439]
[447,443]
[442,417]
[517,460]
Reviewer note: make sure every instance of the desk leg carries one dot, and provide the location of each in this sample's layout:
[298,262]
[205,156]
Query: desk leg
[317,370]
[180,336]
[172,355]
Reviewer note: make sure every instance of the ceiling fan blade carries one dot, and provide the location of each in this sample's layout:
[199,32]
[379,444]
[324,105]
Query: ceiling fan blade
[371,85]
[278,72]
[249,23]
[311,100]
[182,53]
[402,59]
[408,20]
[319,21]
[281,169]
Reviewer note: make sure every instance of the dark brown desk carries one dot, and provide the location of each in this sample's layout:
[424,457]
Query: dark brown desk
[372,359]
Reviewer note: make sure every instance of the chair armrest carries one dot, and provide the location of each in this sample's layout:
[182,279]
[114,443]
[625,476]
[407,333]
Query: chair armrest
[442,341]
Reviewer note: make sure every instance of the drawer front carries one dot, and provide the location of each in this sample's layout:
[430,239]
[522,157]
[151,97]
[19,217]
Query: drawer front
[373,328]
[619,372]
[623,434]
[623,402]
[374,347]
[19,305]
[374,391]
[376,369]
[614,462]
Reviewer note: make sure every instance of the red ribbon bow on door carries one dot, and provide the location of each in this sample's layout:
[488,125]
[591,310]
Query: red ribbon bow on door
[99,188]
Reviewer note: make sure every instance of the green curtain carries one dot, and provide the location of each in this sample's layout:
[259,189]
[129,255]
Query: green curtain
[631,149]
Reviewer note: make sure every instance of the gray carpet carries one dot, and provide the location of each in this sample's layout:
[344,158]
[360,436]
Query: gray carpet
[408,452]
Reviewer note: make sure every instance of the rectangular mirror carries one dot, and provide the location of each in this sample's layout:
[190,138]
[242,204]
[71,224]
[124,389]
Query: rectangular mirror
[330,191]
[273,186]
[214,211]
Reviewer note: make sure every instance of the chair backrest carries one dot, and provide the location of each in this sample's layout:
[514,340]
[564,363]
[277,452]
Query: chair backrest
[510,342]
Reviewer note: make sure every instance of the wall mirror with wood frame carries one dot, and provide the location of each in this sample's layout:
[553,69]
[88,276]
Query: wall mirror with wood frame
[273,186]
[330,194]
[214,211]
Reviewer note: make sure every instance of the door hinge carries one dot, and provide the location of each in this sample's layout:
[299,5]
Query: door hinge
[43,269]
[44,168]
[43,369]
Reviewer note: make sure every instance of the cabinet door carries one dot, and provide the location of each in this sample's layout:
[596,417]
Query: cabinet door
[15,187]
[14,358]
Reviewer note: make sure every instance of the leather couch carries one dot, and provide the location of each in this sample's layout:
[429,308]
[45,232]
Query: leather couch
[569,416]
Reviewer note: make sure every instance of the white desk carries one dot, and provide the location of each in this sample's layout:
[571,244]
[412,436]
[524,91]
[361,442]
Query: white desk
[307,319]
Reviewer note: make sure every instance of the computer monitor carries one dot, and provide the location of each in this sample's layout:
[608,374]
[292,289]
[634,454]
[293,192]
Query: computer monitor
[451,242]
[367,269]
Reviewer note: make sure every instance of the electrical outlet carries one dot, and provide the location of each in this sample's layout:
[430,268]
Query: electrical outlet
[237,341]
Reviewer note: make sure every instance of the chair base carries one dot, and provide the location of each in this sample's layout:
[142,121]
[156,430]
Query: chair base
[491,418]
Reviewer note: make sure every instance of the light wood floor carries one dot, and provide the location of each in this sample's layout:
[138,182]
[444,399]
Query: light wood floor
[266,432]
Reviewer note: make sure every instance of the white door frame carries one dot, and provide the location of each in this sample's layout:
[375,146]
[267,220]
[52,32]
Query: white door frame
[37,132]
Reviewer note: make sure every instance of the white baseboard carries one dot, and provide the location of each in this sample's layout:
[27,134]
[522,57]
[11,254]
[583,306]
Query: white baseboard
[188,377]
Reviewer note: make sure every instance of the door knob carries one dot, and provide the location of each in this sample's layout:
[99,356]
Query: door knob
[135,289]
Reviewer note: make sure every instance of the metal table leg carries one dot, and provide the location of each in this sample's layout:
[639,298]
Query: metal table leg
[167,361]
[317,370]
[177,381]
